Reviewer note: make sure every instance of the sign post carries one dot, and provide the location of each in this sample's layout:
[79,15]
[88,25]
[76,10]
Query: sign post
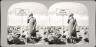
[62,12]
[21,12]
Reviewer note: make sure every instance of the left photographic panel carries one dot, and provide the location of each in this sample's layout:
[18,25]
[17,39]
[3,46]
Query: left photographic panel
[21,20]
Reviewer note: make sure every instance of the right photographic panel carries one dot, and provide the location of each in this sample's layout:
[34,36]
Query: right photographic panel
[69,22]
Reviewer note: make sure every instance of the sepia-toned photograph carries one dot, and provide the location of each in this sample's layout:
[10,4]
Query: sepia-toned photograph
[32,23]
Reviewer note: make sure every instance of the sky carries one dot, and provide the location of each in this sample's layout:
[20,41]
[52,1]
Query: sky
[39,11]
[80,12]
[47,16]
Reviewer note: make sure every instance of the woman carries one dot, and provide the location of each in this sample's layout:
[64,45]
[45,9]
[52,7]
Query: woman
[72,27]
[32,26]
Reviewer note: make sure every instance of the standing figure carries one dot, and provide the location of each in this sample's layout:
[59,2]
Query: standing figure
[32,26]
[72,28]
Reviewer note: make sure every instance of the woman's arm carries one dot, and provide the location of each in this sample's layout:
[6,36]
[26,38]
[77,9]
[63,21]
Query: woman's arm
[75,24]
[35,24]
[68,21]
[28,19]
